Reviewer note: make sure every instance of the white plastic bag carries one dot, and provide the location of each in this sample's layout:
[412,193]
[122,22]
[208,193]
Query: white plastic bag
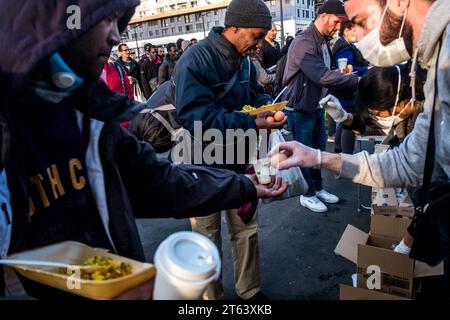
[297,184]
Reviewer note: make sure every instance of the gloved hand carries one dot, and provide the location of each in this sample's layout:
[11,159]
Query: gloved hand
[333,107]
[299,155]
[402,248]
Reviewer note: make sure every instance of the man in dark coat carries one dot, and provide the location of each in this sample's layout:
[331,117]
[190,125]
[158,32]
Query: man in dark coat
[201,76]
[68,171]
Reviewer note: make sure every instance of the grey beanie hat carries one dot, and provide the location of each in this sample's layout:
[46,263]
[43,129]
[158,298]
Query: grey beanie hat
[248,14]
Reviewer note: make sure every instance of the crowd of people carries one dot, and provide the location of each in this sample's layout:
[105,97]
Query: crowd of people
[72,170]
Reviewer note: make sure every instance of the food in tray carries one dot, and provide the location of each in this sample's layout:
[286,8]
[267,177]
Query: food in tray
[108,269]
[247,108]
[269,107]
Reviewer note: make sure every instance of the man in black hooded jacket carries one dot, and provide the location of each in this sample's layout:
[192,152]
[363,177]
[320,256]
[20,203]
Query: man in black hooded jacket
[68,171]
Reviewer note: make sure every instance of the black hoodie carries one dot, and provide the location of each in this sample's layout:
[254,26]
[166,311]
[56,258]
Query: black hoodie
[125,178]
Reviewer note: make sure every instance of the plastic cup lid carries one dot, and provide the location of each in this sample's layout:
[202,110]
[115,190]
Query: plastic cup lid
[189,256]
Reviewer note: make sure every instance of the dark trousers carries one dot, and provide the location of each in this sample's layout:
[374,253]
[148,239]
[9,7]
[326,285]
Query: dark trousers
[345,140]
[309,130]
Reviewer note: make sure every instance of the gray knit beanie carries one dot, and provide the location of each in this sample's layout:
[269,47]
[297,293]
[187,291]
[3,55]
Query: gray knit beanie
[248,14]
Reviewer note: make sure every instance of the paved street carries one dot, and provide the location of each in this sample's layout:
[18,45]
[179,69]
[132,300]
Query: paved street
[296,245]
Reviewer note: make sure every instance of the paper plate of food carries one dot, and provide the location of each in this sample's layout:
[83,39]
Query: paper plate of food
[270,107]
[79,269]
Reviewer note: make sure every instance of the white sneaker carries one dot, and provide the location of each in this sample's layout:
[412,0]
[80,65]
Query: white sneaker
[326,196]
[313,204]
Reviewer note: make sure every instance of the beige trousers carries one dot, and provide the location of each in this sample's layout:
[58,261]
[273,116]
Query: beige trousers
[244,245]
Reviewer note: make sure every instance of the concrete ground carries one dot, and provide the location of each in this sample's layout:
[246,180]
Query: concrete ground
[296,245]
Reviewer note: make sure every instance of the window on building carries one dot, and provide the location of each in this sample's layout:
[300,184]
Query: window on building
[308,2]
[173,30]
[274,14]
[208,25]
[216,12]
[150,33]
[141,35]
[133,36]
[199,26]
[180,29]
[188,27]
[163,22]
[187,18]
[172,20]
[217,23]
[164,32]
[298,13]
[179,18]
[193,3]
[307,14]
[157,33]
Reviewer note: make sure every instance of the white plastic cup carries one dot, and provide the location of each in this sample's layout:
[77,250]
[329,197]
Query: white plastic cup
[186,263]
[342,63]
[263,171]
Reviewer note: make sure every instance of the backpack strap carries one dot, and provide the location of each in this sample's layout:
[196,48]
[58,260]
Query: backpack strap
[121,75]
[163,121]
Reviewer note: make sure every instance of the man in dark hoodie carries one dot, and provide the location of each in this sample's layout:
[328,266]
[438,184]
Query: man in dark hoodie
[201,77]
[68,171]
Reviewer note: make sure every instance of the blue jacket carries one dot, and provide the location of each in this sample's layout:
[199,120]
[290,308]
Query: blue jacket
[343,49]
[306,73]
[202,73]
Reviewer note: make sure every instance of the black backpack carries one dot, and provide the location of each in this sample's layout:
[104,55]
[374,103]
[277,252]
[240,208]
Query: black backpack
[158,124]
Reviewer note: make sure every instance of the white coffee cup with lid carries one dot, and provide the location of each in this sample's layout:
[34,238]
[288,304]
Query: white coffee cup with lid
[186,263]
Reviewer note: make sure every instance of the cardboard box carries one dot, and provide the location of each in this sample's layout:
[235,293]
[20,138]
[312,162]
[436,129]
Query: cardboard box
[376,249]
[350,293]
[385,203]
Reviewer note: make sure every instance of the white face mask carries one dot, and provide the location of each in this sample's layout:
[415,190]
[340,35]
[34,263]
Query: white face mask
[386,124]
[384,56]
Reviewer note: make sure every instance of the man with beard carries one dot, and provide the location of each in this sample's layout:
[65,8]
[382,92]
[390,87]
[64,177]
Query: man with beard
[388,33]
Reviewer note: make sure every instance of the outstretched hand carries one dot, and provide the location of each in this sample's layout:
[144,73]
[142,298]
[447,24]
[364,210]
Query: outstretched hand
[272,190]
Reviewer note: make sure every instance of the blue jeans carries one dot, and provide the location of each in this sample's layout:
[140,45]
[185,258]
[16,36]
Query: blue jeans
[309,130]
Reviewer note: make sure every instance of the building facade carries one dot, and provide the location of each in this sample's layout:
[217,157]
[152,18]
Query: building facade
[163,21]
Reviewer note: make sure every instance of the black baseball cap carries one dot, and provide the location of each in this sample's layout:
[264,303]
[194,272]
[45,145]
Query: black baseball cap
[335,7]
